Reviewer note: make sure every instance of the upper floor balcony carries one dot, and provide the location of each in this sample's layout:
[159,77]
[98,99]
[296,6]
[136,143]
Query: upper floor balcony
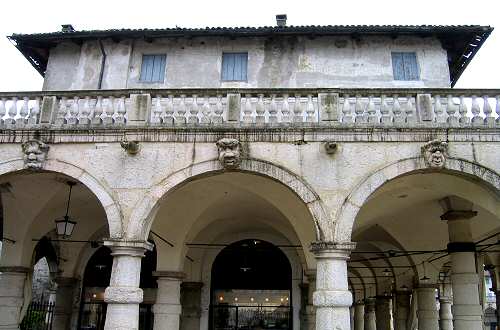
[250,108]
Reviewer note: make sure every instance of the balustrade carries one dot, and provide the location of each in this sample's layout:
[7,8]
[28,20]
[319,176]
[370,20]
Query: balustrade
[251,108]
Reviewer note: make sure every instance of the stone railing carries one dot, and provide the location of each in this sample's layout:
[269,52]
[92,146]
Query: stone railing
[251,108]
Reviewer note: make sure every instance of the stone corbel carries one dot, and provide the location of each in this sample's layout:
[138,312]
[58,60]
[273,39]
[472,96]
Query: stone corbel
[35,153]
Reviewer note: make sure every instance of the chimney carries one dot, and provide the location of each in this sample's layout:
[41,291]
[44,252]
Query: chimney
[281,20]
[67,28]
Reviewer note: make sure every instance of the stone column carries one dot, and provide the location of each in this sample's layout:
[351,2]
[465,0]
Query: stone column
[467,311]
[332,297]
[497,303]
[445,315]
[191,305]
[167,309]
[12,282]
[308,313]
[370,318]
[123,294]
[402,310]
[427,314]
[359,316]
[383,312]
[65,292]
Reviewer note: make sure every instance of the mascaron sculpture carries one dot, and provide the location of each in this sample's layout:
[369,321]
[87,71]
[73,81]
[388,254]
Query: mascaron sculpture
[35,154]
[229,153]
[435,153]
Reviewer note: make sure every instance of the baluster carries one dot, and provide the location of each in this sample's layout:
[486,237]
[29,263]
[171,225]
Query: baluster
[285,110]
[219,110]
[360,110]
[297,110]
[310,111]
[23,113]
[180,119]
[451,110]
[3,111]
[497,110]
[98,111]
[372,112]
[438,110]
[463,111]
[74,110]
[347,110]
[83,119]
[108,112]
[156,119]
[168,117]
[385,117]
[193,111]
[489,120]
[260,110]
[397,113]
[411,110]
[121,111]
[247,109]
[34,112]
[273,110]
[206,111]
[62,111]
[476,112]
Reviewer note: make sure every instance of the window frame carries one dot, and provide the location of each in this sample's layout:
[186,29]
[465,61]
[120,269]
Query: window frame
[222,66]
[164,75]
[417,65]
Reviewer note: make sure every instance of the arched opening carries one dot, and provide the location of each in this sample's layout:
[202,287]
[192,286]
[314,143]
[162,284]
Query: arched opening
[251,287]
[96,279]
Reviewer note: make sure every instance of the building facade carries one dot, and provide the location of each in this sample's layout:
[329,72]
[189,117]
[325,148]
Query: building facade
[252,178]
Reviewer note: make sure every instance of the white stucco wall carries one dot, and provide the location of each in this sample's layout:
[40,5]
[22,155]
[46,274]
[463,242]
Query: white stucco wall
[334,61]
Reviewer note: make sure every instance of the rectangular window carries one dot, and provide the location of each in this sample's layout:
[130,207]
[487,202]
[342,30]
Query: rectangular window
[234,66]
[404,66]
[153,68]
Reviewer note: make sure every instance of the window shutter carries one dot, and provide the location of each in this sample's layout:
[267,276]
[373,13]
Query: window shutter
[153,68]
[234,66]
[398,66]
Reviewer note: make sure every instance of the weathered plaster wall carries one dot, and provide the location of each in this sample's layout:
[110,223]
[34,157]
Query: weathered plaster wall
[272,62]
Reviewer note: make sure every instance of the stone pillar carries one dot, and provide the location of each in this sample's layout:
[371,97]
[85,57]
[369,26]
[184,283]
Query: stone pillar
[497,303]
[445,315]
[191,305]
[427,314]
[359,316]
[332,297]
[65,293]
[402,310]
[12,283]
[167,309]
[308,313]
[383,312]
[467,311]
[370,318]
[123,294]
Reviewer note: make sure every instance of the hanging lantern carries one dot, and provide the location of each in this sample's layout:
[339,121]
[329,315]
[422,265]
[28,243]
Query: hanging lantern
[64,225]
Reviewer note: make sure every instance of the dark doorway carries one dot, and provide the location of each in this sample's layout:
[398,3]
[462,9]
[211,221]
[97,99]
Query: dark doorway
[251,288]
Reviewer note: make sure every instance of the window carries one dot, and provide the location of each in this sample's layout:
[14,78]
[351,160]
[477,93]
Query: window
[404,66]
[153,68]
[234,66]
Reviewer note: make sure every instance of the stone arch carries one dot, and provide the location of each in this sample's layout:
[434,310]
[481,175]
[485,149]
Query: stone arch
[347,213]
[103,194]
[143,214]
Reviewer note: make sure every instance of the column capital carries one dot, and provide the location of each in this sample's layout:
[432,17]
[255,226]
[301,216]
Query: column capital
[332,249]
[128,248]
[456,208]
[445,300]
[169,274]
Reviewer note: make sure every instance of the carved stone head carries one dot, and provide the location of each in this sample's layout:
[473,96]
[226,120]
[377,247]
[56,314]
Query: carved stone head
[35,154]
[229,153]
[435,153]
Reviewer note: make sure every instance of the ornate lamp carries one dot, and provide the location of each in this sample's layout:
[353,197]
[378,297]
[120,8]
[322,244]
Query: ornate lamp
[64,225]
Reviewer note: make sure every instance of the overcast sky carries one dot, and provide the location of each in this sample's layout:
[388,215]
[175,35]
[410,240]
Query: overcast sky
[30,16]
